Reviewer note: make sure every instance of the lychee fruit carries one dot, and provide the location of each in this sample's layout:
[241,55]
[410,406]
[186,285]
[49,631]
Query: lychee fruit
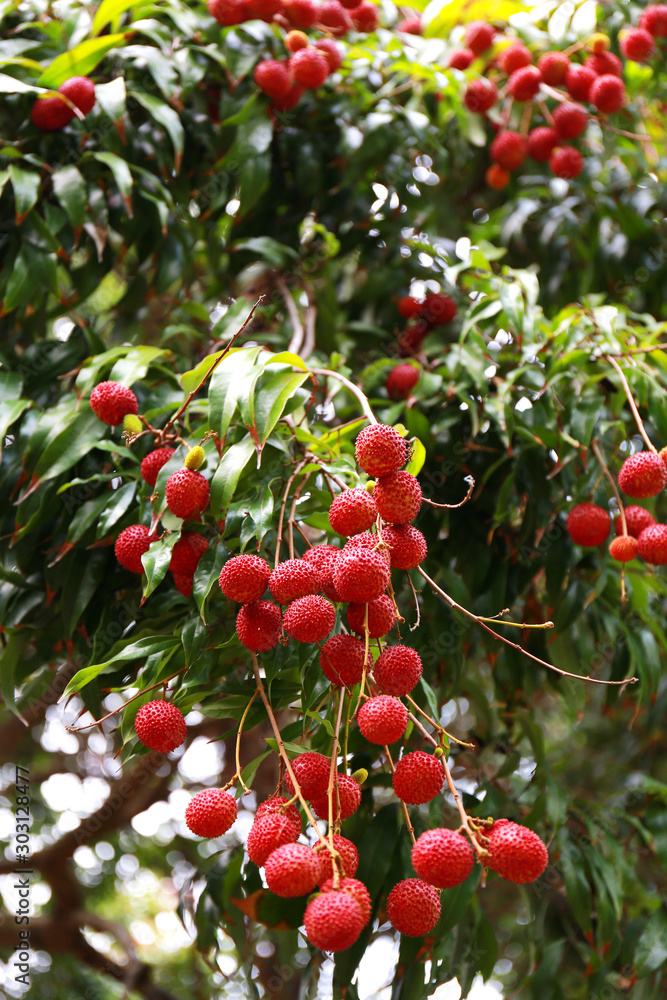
[624,548]
[352,511]
[397,670]
[652,544]
[514,57]
[410,339]
[332,51]
[349,857]
[187,552]
[211,812]
[578,82]
[346,799]
[437,309]
[382,719]
[460,58]
[380,449]
[479,36]
[294,578]
[264,10]
[311,770]
[277,805]
[324,559]
[654,20]
[401,381]
[410,26]
[333,921]
[273,78]
[553,66]
[309,67]
[110,402]
[184,583]
[301,13]
[509,149]
[418,778]
[369,541]
[643,474]
[267,835]
[131,545]
[153,462]
[541,143]
[354,888]
[228,12]
[258,626]
[381,617]
[342,660]
[80,90]
[497,177]
[160,726]
[50,114]
[413,907]
[361,575]
[365,17]
[398,497]
[407,545]
[442,857]
[566,162]
[588,525]
[515,853]
[244,578]
[636,519]
[608,94]
[524,84]
[638,45]
[187,493]
[605,63]
[332,15]
[292,870]
[409,307]
[570,120]
[309,619]
[480,95]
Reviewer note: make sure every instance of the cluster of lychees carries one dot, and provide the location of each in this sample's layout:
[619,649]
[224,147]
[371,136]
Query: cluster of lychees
[642,475]
[561,92]
[304,590]
[52,113]
[436,309]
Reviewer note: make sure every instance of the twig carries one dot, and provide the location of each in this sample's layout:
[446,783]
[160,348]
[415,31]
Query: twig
[452,506]
[96,722]
[296,342]
[404,805]
[564,673]
[333,786]
[354,389]
[632,404]
[281,517]
[290,520]
[414,594]
[497,618]
[436,725]
[598,454]
[465,822]
[238,743]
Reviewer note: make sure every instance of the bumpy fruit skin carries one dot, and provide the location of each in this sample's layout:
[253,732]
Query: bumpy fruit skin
[588,525]
[566,162]
[277,805]
[437,309]
[497,177]
[636,519]
[324,559]
[654,20]
[131,545]
[50,114]
[509,149]
[361,576]
[354,888]
[623,548]
[365,17]
[479,36]
[398,497]
[570,120]
[442,857]
[309,619]
[638,45]
[525,83]
[382,720]
[296,40]
[352,511]
[460,58]
[244,578]
[413,907]
[153,462]
[366,540]
[334,17]
[349,857]
[407,545]
[311,770]
[333,921]
[266,835]
[309,67]
[292,870]
[80,90]
[553,66]
[273,78]
[211,812]
[228,12]
[332,52]
[608,94]
[258,625]
[541,143]
[418,778]
[160,726]
[604,63]
[642,475]
[294,578]
[380,449]
[184,583]
[186,493]
[264,10]
[342,660]
[397,670]
[401,381]
[515,57]
[480,95]
[346,799]
[652,544]
[578,81]
[301,13]
[515,853]
[110,402]
[381,617]
[187,552]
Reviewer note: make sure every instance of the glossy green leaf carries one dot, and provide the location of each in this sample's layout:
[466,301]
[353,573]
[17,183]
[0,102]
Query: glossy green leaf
[165,116]
[26,184]
[79,61]
[70,190]
[138,650]
[228,473]
[156,562]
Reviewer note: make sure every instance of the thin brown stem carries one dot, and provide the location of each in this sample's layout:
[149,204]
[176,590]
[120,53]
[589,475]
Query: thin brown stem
[632,404]
[406,813]
[437,726]
[332,787]
[351,387]
[283,505]
[96,722]
[290,520]
[296,342]
[452,506]
[465,822]
[238,742]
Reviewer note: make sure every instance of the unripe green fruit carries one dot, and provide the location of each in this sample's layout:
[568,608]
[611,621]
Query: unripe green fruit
[132,424]
[360,776]
[195,458]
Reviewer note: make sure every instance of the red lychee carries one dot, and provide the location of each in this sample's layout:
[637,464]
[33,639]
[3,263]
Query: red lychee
[381,617]
[654,20]
[292,870]
[524,84]
[184,583]
[604,63]
[228,12]
[418,778]
[186,493]
[515,852]
[636,519]
[309,67]
[509,149]
[266,835]
[153,462]
[588,525]
[273,78]
[541,143]
[346,799]
[497,177]
[50,114]
[187,552]
[514,57]
[442,857]
[294,578]
[566,162]
[211,812]
[356,889]
[324,559]
[578,81]
[131,545]
[332,51]
[553,66]
[398,497]
[369,541]
[244,578]
[380,449]
[342,660]
[311,770]
[461,58]
[397,670]
[110,402]
[382,719]
[352,511]
[333,921]
[361,575]
[608,94]
[410,26]
[309,619]
[413,907]
[409,307]
[638,45]
[407,545]
[479,36]
[160,726]
[401,381]
[277,805]
[643,474]
[437,309]
[365,17]
[652,544]
[570,120]
[264,10]
[624,548]
[332,15]
[349,857]
[258,626]
[480,95]
[80,90]
[301,13]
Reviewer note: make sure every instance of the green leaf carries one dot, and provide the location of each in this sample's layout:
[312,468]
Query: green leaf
[118,502]
[167,118]
[79,61]
[138,650]
[10,411]
[156,562]
[651,953]
[228,473]
[191,380]
[78,438]
[10,659]
[271,400]
[229,382]
[121,175]
[417,458]
[112,99]
[70,190]
[26,184]
[108,11]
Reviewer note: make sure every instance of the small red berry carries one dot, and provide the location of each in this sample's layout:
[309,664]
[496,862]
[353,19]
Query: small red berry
[541,143]
[407,545]
[497,177]
[365,17]
[153,462]
[186,553]
[603,63]
[515,852]
[160,726]
[652,544]
[50,114]
[514,57]
[382,719]
[438,309]
[578,81]
[244,578]
[184,583]
[413,907]
[263,10]
[356,889]
[636,519]
[228,12]
[380,449]
[480,95]
[277,804]
[273,78]
[418,778]
[309,619]
[292,870]
[294,578]
[654,20]
[361,575]
[638,45]
[186,493]
[333,921]
[397,670]
[461,58]
[401,381]
[332,15]
[608,94]
[80,90]
[301,13]
[642,475]
[479,36]
[398,497]
[349,857]
[110,402]
[566,162]
[296,40]
[381,616]
[332,52]
[131,545]
[324,559]
[570,120]
[309,67]
[623,548]
[524,84]
[266,835]
[352,511]
[346,799]
[442,857]
[509,149]
[211,812]
[409,307]
[553,66]
[588,525]
[311,770]
[342,660]
[258,625]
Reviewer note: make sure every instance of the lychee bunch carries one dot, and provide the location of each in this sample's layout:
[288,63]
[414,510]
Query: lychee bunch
[442,857]
[515,853]
[642,475]
[244,578]
[418,778]
[413,907]
[130,546]
[588,525]
[211,812]
[160,726]
[110,401]
[187,493]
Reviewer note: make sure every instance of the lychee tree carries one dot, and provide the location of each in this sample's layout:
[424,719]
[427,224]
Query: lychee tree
[387,587]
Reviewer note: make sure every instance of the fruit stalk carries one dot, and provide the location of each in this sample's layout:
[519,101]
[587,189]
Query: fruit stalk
[332,787]
[96,722]
[632,404]
[354,389]
[238,744]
